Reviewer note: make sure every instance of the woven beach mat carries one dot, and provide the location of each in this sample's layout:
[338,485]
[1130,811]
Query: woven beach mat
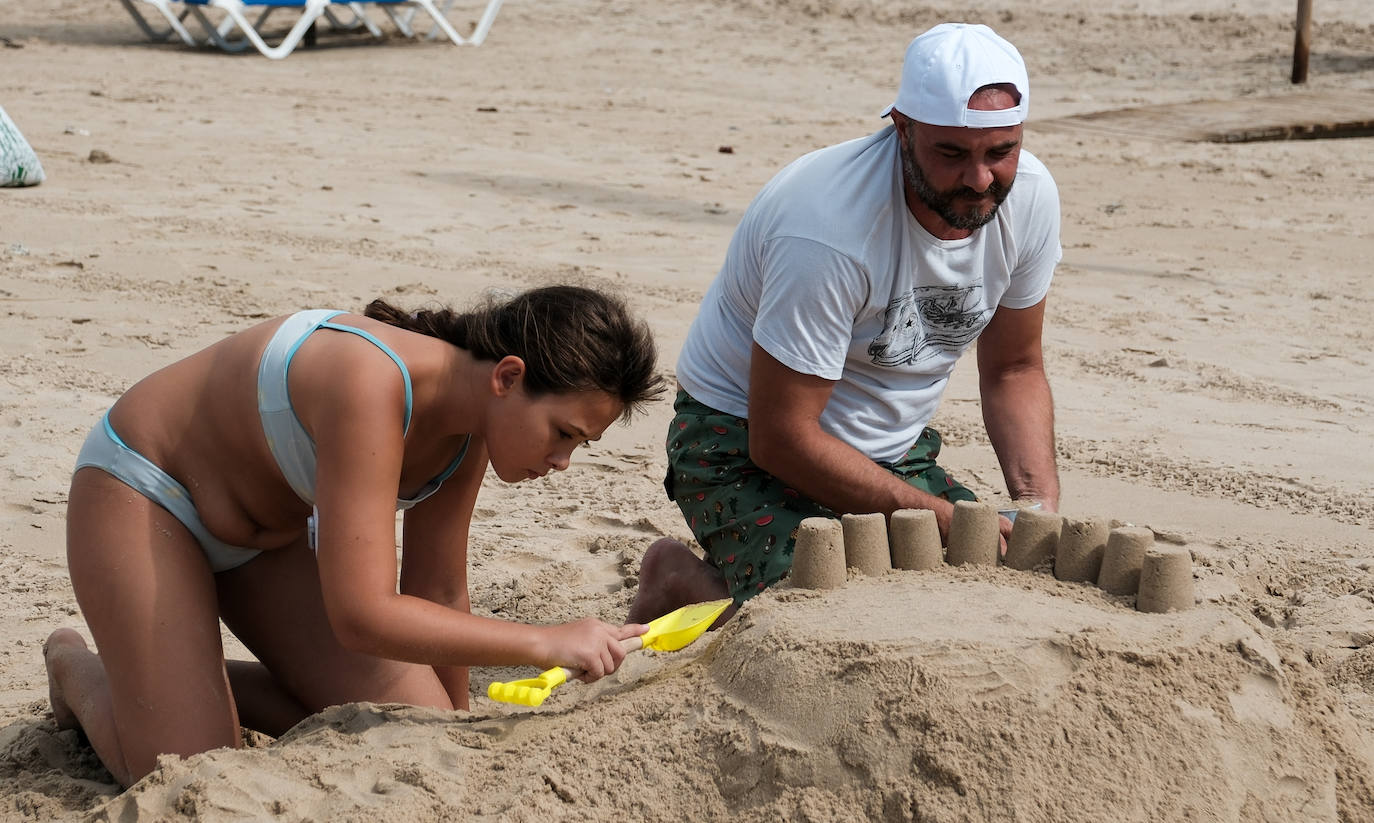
[1297,116]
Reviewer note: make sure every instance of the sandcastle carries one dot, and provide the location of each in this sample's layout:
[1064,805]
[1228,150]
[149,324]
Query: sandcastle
[916,540]
[818,560]
[974,535]
[1122,561]
[1166,580]
[865,543]
[1034,538]
[1078,557]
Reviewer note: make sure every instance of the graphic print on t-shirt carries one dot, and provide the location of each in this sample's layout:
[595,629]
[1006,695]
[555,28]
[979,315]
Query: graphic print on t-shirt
[928,321]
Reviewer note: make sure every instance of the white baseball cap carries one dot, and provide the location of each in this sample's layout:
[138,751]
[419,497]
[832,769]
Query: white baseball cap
[947,64]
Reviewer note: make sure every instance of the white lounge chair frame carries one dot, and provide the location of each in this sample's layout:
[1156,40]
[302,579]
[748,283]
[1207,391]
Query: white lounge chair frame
[174,21]
[236,16]
[479,31]
[217,34]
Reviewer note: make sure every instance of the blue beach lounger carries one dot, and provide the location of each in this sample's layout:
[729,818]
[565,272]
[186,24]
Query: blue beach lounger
[236,17]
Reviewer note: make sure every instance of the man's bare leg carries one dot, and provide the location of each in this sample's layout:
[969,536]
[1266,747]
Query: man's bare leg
[80,696]
[672,576]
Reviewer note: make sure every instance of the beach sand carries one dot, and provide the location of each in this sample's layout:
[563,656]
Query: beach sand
[1207,340]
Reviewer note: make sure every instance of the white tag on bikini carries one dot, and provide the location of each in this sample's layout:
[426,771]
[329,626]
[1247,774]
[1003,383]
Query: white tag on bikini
[312,531]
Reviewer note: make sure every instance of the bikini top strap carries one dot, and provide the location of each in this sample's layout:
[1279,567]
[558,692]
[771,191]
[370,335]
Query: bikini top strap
[405,373]
[457,461]
[433,485]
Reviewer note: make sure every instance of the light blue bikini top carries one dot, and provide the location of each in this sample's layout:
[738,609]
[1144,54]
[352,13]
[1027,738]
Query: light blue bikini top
[288,440]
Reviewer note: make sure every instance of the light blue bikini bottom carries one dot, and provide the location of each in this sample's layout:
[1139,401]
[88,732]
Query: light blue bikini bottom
[105,451]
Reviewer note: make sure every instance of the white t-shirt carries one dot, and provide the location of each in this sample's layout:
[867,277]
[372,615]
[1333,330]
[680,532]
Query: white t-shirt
[830,273]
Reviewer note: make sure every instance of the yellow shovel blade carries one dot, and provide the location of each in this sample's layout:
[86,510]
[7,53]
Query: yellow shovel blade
[679,628]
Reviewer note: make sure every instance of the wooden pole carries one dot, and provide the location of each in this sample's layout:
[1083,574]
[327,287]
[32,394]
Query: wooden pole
[1302,41]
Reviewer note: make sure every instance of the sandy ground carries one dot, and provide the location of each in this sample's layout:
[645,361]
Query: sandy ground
[1208,344]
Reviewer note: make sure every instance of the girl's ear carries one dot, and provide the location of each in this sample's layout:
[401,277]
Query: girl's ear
[508,375]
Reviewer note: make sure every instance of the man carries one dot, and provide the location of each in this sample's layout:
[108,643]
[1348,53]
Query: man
[854,282]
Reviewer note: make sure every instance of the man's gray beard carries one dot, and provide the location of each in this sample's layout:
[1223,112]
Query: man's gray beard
[942,203]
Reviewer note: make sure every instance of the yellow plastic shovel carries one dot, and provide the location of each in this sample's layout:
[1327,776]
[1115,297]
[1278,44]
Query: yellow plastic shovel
[668,633]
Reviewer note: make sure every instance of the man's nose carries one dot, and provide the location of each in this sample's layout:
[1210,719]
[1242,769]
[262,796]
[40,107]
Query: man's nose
[978,176]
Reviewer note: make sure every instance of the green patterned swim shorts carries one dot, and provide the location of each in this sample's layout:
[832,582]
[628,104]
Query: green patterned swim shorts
[745,518]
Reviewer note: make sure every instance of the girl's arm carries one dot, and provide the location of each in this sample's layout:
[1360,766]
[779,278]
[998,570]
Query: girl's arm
[355,413]
[434,561]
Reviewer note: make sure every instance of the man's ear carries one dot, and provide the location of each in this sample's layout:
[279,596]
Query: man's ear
[507,375]
[900,122]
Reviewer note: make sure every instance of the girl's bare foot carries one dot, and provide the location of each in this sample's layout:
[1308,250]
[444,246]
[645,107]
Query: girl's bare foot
[58,649]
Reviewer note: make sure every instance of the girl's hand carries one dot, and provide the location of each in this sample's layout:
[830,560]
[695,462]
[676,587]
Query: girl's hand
[591,648]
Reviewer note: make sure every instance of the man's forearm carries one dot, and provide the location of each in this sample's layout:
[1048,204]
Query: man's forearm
[1018,411]
[841,478]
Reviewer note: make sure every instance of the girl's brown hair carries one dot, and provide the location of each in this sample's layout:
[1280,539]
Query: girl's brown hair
[571,339]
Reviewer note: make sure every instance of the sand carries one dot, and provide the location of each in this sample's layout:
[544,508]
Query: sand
[1207,341]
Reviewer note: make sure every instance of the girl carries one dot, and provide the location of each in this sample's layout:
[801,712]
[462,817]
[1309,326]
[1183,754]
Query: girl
[257,482]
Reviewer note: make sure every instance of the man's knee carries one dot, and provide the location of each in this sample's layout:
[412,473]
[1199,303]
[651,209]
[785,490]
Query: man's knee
[754,552]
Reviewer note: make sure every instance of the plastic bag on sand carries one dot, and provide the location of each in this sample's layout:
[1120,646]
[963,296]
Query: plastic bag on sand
[19,166]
